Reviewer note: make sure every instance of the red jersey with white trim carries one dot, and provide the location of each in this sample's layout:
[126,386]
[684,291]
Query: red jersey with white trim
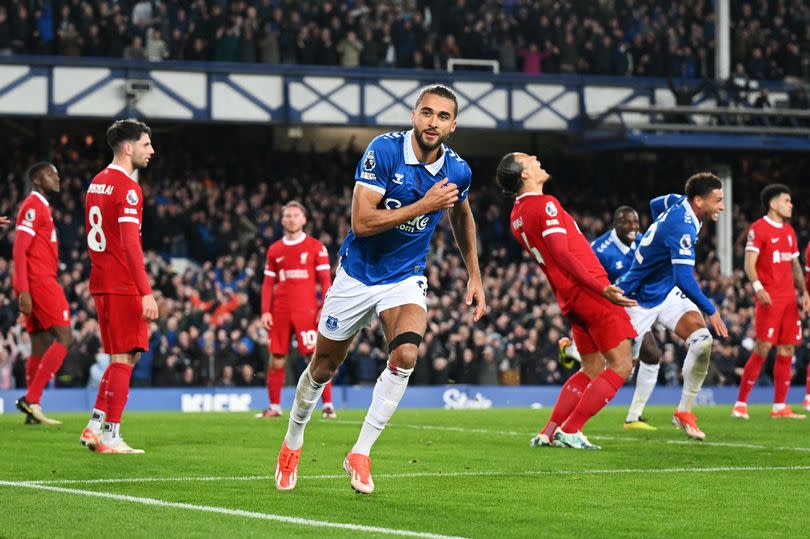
[536,216]
[777,246]
[807,266]
[113,197]
[35,219]
[294,265]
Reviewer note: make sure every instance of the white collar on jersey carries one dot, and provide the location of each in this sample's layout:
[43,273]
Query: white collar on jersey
[691,213]
[410,157]
[772,222]
[529,194]
[120,169]
[619,243]
[41,197]
[293,242]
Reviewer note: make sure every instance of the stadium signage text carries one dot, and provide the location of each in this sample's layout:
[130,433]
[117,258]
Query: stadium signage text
[220,402]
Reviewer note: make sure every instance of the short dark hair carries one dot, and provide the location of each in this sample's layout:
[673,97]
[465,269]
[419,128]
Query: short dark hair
[621,210]
[440,90]
[508,174]
[772,191]
[129,130]
[34,172]
[701,184]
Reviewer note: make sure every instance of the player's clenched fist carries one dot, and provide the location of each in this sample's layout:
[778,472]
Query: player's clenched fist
[442,196]
[150,310]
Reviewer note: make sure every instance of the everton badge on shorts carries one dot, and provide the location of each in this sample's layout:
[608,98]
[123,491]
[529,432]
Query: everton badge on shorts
[551,209]
[369,162]
[331,323]
[132,197]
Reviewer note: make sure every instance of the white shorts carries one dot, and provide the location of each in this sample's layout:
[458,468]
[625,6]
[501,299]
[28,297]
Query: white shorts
[668,313]
[349,304]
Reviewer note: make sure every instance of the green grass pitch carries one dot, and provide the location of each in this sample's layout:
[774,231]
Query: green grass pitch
[438,473]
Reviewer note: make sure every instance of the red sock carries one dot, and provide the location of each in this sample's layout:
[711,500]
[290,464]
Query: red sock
[117,390]
[569,397]
[275,380]
[101,396]
[750,375]
[598,393]
[327,393]
[32,365]
[51,361]
[781,378]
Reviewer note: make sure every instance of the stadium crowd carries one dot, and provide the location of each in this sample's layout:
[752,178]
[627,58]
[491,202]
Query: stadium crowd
[770,39]
[206,230]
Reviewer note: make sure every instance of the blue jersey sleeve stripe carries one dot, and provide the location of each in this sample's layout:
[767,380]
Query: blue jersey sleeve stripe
[373,187]
[688,262]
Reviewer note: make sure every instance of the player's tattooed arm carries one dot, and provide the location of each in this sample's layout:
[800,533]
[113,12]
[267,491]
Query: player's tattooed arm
[750,267]
[798,279]
[369,217]
[463,224]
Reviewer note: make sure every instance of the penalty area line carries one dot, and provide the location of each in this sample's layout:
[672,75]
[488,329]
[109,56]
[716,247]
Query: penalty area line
[230,512]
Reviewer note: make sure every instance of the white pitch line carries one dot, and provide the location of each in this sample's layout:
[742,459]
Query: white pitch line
[521,473]
[594,436]
[231,512]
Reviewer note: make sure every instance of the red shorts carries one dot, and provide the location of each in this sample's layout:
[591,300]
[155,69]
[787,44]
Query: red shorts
[302,321]
[597,324]
[49,307]
[778,323]
[121,324]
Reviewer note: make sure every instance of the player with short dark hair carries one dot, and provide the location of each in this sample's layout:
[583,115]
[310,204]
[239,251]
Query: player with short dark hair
[593,306]
[290,302]
[118,280]
[403,185]
[42,300]
[662,280]
[772,265]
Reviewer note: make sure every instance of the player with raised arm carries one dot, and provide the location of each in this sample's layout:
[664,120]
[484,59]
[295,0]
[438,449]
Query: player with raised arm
[593,306]
[772,265]
[662,279]
[118,281]
[42,300]
[290,300]
[404,183]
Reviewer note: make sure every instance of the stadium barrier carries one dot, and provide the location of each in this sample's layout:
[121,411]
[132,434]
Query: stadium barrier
[236,399]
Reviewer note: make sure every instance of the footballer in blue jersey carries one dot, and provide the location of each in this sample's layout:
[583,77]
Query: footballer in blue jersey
[404,184]
[616,248]
[663,282]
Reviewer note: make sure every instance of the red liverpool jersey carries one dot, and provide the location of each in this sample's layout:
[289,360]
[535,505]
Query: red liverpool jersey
[294,265]
[34,218]
[776,245]
[536,216]
[113,198]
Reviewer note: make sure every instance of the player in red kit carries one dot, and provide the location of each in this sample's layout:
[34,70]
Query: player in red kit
[807,286]
[290,302]
[42,300]
[600,326]
[118,281]
[772,264]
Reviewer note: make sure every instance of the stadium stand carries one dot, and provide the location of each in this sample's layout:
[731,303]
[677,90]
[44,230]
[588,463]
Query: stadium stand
[769,39]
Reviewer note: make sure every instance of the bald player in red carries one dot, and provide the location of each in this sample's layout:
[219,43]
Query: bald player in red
[45,310]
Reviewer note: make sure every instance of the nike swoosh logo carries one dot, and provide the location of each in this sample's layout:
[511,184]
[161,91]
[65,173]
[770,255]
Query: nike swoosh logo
[279,259]
[774,240]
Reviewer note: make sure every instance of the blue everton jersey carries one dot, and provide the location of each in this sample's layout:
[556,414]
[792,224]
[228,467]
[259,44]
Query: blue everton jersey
[390,167]
[613,254]
[669,240]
